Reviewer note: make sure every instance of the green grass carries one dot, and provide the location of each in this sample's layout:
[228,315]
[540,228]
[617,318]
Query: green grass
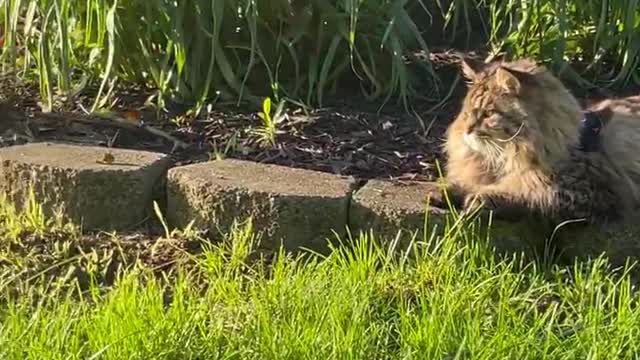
[600,36]
[451,299]
[198,51]
[240,51]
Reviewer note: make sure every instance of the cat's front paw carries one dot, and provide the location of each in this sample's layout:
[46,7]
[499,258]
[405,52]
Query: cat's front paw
[473,202]
[450,196]
[503,210]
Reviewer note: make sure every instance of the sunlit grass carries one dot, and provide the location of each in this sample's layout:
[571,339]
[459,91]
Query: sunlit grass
[445,298]
[601,35]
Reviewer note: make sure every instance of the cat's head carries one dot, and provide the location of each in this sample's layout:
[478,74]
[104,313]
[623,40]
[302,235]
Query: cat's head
[516,108]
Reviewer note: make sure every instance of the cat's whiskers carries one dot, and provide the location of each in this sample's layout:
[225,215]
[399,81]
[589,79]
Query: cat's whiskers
[492,149]
[514,135]
[493,152]
[499,150]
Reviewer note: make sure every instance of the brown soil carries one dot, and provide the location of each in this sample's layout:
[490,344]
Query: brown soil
[341,139]
[348,137]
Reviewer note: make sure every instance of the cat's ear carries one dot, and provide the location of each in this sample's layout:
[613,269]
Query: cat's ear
[511,80]
[470,69]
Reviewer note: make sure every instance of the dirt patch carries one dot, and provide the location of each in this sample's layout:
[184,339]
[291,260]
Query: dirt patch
[339,140]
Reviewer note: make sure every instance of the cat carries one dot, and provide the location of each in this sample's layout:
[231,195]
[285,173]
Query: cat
[522,141]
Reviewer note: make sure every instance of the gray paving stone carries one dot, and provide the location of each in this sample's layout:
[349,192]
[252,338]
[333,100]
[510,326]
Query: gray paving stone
[293,207]
[387,207]
[105,196]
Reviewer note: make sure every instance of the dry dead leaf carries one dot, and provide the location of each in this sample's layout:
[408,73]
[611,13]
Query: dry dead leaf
[108,158]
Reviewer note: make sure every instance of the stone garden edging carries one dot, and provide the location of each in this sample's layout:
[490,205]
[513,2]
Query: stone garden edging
[113,189]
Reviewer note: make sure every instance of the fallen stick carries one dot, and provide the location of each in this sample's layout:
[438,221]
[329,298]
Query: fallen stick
[115,121]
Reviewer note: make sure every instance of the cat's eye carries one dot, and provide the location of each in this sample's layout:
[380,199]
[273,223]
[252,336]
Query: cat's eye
[478,115]
[491,121]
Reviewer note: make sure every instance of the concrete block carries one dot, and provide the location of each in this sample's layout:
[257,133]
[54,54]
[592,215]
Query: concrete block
[115,194]
[387,208]
[293,207]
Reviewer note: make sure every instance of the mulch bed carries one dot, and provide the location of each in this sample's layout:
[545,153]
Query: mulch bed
[341,141]
[337,140]
[348,137]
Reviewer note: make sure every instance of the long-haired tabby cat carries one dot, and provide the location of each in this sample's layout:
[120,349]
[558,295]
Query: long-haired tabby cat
[522,140]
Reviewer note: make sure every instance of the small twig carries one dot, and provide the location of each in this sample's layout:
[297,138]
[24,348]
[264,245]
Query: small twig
[176,142]
[116,121]
[112,140]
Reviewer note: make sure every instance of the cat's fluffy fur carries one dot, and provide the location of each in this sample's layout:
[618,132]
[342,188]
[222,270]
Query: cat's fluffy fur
[514,144]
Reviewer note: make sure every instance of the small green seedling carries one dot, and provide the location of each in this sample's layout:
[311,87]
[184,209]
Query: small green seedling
[267,133]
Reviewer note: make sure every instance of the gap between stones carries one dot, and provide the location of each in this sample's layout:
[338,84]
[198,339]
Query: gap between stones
[359,184]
